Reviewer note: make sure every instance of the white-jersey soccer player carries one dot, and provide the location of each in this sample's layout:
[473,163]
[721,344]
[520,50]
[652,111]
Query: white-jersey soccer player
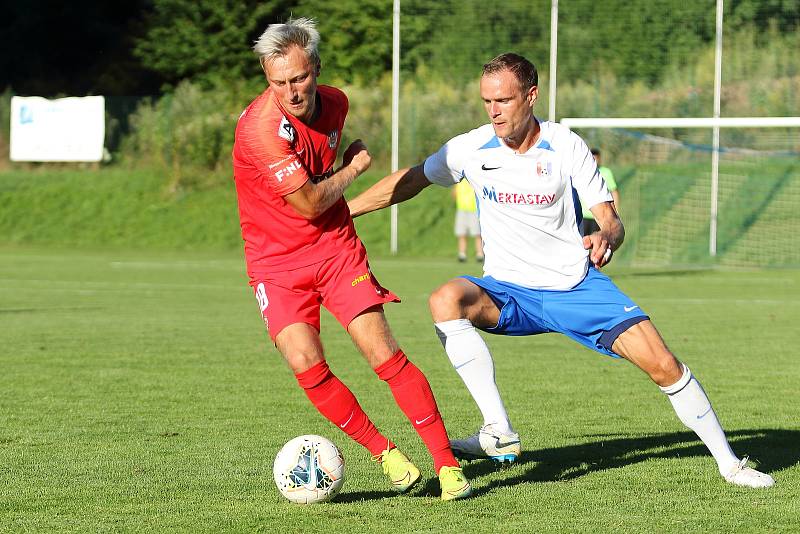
[526,201]
[540,274]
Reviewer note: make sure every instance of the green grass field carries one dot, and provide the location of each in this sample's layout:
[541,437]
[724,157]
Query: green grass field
[139,393]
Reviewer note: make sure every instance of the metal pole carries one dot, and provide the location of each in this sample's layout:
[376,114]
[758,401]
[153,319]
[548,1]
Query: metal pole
[395,112]
[551,100]
[712,240]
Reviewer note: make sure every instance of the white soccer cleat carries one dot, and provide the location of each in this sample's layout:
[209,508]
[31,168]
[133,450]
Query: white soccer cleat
[488,443]
[741,475]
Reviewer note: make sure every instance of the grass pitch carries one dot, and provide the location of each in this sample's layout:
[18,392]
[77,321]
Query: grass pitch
[139,392]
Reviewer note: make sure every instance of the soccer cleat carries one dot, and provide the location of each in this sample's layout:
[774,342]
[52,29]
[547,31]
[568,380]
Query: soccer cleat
[454,484]
[488,443]
[401,472]
[741,475]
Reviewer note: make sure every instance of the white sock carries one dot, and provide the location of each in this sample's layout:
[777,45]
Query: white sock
[472,361]
[694,410]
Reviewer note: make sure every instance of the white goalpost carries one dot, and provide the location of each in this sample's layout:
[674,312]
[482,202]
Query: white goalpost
[395,114]
[714,123]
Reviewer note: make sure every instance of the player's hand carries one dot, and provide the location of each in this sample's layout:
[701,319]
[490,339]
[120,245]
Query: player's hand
[600,254]
[358,156]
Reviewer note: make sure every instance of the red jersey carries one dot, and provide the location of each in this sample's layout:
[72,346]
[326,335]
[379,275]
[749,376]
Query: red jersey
[274,154]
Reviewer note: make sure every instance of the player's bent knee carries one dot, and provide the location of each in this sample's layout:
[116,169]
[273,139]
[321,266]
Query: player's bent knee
[445,303]
[664,369]
[670,370]
[300,356]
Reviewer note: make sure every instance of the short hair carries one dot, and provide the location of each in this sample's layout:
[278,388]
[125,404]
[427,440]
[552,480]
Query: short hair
[278,38]
[595,152]
[523,70]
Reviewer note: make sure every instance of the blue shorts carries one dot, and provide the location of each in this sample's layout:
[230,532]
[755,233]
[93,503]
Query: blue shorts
[594,312]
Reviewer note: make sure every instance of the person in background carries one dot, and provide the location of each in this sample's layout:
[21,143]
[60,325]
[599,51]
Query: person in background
[589,225]
[467,223]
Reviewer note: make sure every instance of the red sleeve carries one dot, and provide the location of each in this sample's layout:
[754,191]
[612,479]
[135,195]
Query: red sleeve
[265,142]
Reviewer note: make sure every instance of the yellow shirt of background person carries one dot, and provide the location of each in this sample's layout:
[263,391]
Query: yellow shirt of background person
[465,197]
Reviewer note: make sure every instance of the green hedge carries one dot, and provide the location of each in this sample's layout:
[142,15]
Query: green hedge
[113,207]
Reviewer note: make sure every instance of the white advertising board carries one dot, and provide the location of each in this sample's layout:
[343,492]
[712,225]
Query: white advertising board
[65,129]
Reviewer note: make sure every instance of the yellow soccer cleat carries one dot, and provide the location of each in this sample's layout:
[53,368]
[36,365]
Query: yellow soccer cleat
[402,474]
[454,484]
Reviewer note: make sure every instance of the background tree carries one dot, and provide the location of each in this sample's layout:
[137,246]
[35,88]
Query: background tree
[206,41]
[73,48]
[356,46]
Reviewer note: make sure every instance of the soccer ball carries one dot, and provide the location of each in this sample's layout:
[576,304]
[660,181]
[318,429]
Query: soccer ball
[309,469]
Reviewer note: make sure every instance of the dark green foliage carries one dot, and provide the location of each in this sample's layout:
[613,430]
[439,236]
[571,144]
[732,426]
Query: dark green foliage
[207,41]
[131,48]
[356,38]
[633,39]
[73,48]
[453,39]
[763,13]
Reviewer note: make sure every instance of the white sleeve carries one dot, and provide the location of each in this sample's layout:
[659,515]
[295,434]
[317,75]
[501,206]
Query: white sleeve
[445,167]
[586,178]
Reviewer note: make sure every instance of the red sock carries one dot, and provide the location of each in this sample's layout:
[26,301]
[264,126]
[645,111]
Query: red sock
[413,395]
[338,404]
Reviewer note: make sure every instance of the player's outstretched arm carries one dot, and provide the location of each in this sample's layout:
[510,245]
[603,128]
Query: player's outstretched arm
[393,189]
[313,199]
[610,236]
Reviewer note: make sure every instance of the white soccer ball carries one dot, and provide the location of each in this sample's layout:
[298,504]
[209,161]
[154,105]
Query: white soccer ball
[309,469]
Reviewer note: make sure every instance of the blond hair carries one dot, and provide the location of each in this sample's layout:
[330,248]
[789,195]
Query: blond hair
[278,38]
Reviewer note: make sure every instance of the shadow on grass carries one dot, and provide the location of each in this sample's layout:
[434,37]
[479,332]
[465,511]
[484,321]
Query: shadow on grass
[770,449]
[426,489]
[356,496]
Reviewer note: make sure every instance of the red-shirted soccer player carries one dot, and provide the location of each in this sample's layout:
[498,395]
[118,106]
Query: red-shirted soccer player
[302,251]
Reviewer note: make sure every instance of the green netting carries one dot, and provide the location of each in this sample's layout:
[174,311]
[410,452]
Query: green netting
[665,188]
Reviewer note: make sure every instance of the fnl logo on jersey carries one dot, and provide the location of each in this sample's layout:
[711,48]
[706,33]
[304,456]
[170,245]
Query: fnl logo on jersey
[288,170]
[531,199]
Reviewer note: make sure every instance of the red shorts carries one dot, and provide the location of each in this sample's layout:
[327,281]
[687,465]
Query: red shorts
[343,284]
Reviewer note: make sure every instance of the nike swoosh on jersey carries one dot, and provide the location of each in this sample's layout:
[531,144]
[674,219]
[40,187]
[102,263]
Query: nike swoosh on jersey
[630,308]
[485,168]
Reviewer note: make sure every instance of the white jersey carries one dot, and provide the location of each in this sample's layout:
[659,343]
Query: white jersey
[528,203]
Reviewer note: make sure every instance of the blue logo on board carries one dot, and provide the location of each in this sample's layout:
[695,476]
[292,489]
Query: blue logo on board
[25,115]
